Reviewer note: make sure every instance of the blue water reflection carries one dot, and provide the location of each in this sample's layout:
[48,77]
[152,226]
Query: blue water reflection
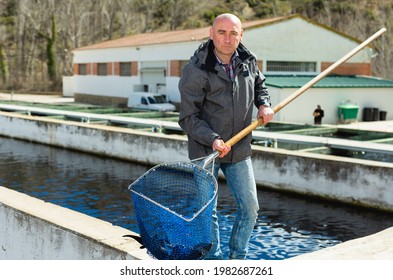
[287,225]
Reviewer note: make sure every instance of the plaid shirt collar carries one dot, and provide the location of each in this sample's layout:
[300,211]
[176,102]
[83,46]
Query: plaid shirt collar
[230,67]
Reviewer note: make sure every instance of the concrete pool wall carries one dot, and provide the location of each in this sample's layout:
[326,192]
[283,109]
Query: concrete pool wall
[32,229]
[359,182]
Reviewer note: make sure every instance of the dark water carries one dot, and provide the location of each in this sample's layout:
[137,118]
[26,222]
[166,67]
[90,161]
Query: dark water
[287,225]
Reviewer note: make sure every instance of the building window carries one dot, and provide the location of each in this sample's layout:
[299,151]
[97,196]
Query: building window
[291,66]
[125,68]
[176,67]
[82,69]
[183,63]
[102,69]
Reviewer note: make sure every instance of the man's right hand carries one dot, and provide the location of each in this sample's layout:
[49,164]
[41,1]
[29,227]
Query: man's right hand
[219,145]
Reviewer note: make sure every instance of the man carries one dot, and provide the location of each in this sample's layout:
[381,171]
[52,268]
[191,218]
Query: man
[318,115]
[219,87]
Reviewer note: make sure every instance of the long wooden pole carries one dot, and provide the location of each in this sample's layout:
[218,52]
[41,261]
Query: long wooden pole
[308,85]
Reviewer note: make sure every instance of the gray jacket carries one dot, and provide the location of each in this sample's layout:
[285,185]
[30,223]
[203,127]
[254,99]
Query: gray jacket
[214,106]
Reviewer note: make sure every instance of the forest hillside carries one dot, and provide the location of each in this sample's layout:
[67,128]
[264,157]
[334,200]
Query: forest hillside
[36,36]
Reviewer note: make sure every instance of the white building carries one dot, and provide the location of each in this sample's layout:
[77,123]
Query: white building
[286,47]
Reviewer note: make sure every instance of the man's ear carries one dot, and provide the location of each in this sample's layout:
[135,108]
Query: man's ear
[211,33]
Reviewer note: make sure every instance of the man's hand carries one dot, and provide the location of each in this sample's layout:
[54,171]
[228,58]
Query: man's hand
[219,145]
[266,113]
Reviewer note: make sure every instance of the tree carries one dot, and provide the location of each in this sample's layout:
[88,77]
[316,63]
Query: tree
[6,23]
[51,52]
[3,65]
[39,14]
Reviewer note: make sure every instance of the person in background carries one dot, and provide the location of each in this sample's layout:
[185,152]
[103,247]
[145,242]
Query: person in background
[318,115]
[219,87]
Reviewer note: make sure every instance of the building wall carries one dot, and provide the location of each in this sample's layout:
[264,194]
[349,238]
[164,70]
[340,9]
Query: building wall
[115,86]
[300,40]
[349,68]
[164,52]
[169,57]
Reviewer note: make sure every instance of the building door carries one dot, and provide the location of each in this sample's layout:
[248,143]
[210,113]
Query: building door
[153,74]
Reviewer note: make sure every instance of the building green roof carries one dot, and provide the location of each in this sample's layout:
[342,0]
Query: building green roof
[334,81]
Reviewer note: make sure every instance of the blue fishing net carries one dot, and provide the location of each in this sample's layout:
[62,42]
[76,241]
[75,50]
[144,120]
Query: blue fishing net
[173,204]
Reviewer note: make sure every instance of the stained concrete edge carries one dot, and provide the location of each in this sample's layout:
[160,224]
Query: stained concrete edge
[378,246]
[79,223]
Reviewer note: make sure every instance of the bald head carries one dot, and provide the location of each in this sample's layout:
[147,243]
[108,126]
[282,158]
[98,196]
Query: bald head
[226,34]
[228,17]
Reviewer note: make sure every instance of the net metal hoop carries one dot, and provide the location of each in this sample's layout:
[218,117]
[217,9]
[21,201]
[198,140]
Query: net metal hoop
[174,204]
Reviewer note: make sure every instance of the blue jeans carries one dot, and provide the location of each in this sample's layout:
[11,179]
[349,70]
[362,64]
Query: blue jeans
[241,182]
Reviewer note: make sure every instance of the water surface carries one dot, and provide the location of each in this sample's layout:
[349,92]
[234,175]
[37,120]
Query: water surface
[287,225]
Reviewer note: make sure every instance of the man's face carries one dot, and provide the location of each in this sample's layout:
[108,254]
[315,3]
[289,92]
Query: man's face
[226,34]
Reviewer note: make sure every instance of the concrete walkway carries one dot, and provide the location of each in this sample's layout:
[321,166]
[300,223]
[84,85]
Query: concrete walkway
[36,98]
[382,126]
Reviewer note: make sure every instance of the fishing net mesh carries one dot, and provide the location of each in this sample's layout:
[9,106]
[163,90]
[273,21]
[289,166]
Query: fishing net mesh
[173,206]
